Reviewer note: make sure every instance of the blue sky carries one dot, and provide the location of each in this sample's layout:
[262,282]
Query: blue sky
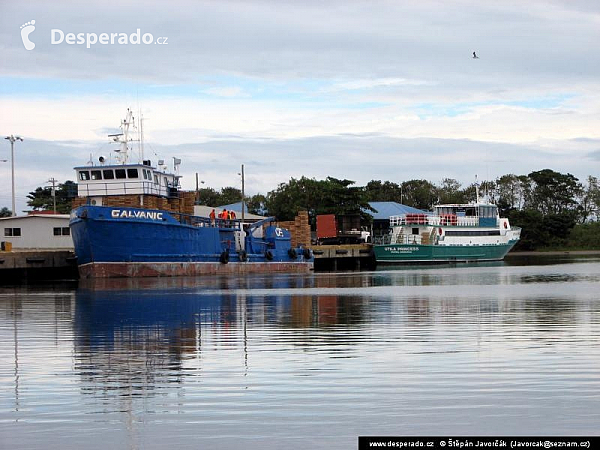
[360,90]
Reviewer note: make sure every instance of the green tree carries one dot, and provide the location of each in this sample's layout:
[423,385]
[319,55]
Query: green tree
[230,195]
[449,191]
[5,212]
[226,196]
[513,192]
[419,194]
[293,196]
[256,204]
[208,197]
[377,191]
[330,196]
[589,200]
[554,192]
[42,199]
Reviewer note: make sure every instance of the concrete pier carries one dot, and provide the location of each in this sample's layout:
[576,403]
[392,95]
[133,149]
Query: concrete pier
[330,258]
[31,265]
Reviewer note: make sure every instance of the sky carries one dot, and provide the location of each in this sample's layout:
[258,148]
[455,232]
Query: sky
[359,90]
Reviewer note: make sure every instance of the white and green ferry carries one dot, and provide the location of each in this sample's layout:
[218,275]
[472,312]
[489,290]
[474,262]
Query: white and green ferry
[452,233]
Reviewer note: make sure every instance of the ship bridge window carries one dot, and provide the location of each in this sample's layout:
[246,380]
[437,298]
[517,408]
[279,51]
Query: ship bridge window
[120,174]
[108,174]
[84,175]
[96,175]
[487,211]
[132,173]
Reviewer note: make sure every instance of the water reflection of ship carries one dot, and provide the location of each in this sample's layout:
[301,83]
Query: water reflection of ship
[135,334]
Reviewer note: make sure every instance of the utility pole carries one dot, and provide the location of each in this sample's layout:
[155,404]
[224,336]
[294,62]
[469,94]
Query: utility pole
[243,198]
[12,140]
[53,181]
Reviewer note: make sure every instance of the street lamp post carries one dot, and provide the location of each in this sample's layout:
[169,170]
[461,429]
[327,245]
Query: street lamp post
[243,194]
[12,140]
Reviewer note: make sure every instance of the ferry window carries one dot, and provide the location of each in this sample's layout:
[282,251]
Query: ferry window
[108,174]
[62,231]
[84,175]
[132,173]
[488,211]
[96,175]
[12,232]
[120,174]
[166,181]
[156,179]
[415,231]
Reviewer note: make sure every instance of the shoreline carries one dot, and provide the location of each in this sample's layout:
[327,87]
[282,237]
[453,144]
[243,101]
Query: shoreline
[554,253]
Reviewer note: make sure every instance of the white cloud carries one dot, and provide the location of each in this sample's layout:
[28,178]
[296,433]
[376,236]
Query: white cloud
[346,89]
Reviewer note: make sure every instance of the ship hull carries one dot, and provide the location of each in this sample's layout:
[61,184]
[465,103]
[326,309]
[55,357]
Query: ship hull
[187,269]
[129,242]
[408,253]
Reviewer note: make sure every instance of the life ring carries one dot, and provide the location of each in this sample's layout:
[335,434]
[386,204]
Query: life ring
[269,255]
[441,231]
[292,253]
[505,225]
[306,253]
[243,256]
[224,258]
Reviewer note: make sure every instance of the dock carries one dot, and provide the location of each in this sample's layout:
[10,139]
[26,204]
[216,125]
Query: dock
[32,265]
[330,258]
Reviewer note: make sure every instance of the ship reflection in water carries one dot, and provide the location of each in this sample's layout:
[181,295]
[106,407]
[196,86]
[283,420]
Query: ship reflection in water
[298,361]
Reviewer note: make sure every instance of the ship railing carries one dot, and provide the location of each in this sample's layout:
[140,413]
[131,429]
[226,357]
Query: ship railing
[467,221]
[197,221]
[435,221]
[382,240]
[121,188]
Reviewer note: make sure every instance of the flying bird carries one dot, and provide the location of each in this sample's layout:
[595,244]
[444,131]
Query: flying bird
[475,56]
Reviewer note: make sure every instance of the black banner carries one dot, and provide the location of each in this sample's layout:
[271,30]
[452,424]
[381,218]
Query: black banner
[480,442]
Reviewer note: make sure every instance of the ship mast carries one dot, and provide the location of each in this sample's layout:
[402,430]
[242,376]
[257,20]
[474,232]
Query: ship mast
[123,138]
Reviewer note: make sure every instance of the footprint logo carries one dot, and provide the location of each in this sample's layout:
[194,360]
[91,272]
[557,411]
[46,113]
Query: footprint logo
[26,30]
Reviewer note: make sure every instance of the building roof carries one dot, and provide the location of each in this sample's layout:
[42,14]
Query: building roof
[387,209]
[45,216]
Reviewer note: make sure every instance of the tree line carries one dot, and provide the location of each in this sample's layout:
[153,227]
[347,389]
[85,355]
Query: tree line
[550,207]
[553,209]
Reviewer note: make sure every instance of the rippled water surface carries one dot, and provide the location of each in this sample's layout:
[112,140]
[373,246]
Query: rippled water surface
[302,361]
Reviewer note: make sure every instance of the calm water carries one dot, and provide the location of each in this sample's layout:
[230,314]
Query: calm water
[302,361]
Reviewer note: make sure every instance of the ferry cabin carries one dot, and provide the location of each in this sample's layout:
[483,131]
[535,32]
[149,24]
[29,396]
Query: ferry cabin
[96,182]
[483,215]
[474,224]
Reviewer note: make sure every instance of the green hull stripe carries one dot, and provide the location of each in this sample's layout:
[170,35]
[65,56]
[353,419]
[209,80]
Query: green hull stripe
[417,252]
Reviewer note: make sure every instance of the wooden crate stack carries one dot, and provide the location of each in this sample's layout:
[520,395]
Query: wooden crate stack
[183,204]
[299,228]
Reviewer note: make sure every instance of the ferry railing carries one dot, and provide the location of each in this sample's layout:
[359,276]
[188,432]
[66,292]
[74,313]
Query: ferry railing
[435,221]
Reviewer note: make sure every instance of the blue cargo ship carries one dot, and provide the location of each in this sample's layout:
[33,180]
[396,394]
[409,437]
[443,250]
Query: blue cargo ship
[128,222]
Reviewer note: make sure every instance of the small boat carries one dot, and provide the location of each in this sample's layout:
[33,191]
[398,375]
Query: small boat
[132,220]
[452,233]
